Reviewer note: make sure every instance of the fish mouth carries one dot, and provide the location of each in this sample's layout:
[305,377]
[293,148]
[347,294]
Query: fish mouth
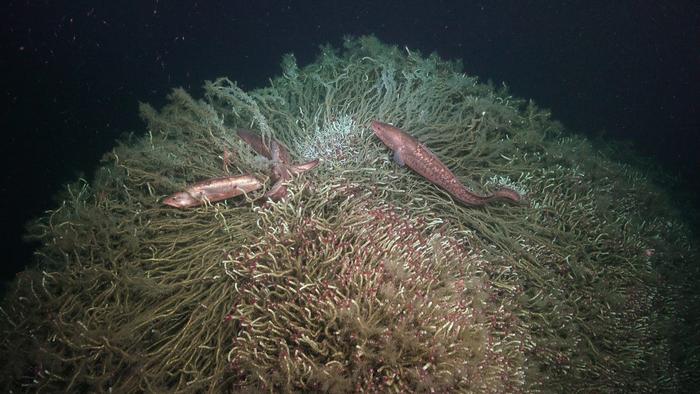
[376,126]
[381,128]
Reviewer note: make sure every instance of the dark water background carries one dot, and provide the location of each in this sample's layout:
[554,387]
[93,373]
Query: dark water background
[72,72]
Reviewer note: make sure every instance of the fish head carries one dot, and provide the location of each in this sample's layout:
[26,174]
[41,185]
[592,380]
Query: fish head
[181,200]
[391,136]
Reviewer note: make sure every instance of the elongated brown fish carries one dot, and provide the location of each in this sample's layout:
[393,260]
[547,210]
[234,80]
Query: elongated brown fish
[277,152]
[282,167]
[213,190]
[410,152]
[256,142]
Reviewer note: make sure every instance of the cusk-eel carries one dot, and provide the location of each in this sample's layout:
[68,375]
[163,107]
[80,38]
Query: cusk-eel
[410,152]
